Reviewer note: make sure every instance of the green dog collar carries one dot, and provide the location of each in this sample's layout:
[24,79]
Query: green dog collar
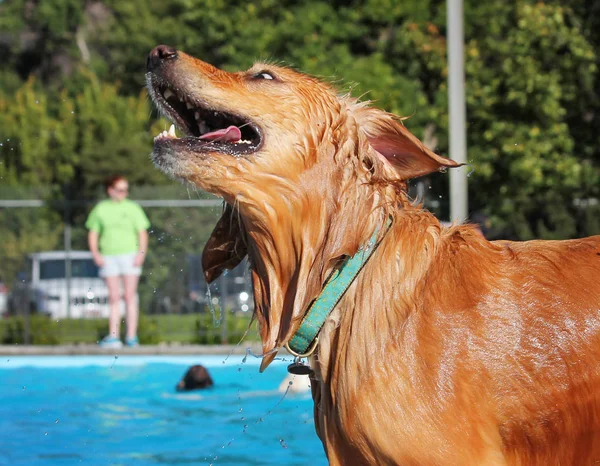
[304,341]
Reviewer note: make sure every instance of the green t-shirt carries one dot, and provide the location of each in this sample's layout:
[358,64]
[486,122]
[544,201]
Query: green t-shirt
[118,224]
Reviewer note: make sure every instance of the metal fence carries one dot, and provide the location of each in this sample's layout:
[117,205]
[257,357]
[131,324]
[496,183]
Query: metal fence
[50,279]
[55,295]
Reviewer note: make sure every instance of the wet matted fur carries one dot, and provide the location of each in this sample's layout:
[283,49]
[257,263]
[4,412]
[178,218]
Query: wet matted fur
[447,349]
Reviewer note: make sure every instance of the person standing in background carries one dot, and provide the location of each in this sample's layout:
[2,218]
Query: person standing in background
[118,240]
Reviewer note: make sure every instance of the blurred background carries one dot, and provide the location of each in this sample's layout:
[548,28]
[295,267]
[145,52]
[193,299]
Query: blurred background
[73,110]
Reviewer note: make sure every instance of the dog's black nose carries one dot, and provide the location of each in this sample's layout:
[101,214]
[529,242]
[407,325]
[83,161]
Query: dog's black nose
[159,55]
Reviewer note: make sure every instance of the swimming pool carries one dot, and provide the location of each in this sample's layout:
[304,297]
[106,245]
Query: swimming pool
[99,410]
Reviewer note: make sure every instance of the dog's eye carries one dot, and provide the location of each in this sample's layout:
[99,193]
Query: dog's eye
[263,75]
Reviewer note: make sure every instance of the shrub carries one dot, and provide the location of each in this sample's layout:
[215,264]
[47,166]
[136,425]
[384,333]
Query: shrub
[209,333]
[148,330]
[42,331]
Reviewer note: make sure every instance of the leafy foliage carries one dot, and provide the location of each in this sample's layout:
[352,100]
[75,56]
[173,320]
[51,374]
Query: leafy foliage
[148,330]
[238,329]
[526,79]
[43,331]
[73,109]
[189,328]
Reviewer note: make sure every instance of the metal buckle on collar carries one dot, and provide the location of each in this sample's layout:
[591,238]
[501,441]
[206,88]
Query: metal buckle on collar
[298,367]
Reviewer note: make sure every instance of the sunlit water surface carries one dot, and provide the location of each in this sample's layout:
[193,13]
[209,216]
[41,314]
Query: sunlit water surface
[106,410]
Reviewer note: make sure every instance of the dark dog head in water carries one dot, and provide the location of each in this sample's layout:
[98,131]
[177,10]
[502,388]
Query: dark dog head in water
[197,377]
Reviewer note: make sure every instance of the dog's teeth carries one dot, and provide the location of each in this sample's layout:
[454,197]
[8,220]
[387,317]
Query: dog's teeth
[196,115]
[188,105]
[168,93]
[202,127]
[166,134]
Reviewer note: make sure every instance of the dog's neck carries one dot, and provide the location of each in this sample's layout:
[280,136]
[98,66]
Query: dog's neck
[304,340]
[395,270]
[365,329]
[299,228]
[292,255]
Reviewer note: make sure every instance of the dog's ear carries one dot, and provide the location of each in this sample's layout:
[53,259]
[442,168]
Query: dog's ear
[226,246]
[397,146]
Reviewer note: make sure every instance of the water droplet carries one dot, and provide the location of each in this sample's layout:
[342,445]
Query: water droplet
[212,301]
[56,422]
[282,443]
[45,433]
[24,388]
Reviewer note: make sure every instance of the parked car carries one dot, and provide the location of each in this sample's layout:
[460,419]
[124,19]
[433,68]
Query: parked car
[43,287]
[233,288]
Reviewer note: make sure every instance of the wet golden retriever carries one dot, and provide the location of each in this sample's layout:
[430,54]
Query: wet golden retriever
[447,349]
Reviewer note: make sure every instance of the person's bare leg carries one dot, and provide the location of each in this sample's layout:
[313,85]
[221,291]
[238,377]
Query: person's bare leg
[131,304]
[114,299]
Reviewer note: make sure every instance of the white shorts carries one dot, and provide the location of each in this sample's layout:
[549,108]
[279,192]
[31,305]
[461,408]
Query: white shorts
[121,264]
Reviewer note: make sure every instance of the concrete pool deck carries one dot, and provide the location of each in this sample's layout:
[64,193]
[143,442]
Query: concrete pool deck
[161,349]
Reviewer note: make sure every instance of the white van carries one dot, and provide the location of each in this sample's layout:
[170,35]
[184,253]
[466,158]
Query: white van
[46,289]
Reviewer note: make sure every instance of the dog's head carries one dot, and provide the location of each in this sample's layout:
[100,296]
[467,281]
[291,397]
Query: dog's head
[301,169]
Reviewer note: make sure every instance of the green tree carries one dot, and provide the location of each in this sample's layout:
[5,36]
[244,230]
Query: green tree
[528,77]
[531,67]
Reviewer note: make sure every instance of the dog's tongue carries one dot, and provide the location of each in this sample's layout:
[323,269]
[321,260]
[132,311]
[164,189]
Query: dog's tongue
[231,134]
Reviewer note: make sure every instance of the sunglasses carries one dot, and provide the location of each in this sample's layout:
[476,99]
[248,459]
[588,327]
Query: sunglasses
[121,190]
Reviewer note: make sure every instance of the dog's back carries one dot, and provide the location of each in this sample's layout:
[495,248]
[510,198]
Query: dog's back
[477,353]
[523,340]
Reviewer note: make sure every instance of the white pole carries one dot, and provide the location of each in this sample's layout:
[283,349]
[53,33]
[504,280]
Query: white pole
[457,110]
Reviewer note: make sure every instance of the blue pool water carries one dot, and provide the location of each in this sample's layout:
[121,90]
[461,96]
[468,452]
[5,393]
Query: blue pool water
[104,410]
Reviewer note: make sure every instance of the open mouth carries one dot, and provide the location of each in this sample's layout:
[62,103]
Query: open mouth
[206,129]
